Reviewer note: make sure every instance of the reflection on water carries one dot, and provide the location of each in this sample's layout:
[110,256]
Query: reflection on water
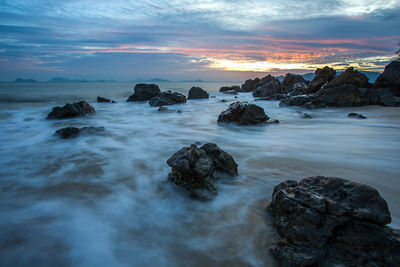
[105,200]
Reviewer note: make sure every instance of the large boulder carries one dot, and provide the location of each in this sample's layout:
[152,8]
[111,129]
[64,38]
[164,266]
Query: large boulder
[390,78]
[144,92]
[198,169]
[197,93]
[249,85]
[243,114]
[71,110]
[349,76]
[167,98]
[322,76]
[328,220]
[269,86]
[291,80]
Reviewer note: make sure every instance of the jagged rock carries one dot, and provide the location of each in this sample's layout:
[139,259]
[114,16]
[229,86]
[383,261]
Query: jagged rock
[196,169]
[356,115]
[70,132]
[104,100]
[322,76]
[349,76]
[144,92]
[167,98]
[229,88]
[243,114]
[390,78]
[249,85]
[324,221]
[71,110]
[290,80]
[269,86]
[299,88]
[197,93]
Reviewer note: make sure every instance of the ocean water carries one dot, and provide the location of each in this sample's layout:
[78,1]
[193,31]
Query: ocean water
[104,200]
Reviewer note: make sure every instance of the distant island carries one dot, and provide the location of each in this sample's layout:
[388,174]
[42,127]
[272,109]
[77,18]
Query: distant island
[20,80]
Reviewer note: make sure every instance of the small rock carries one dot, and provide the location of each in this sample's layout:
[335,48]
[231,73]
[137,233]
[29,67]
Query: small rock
[104,100]
[306,116]
[71,110]
[68,132]
[229,88]
[162,109]
[197,93]
[223,100]
[273,121]
[356,115]
[243,114]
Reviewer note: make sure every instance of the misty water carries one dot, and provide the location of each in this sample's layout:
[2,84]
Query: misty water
[104,200]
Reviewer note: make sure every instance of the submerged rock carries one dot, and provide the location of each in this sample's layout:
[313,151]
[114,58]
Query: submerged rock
[243,114]
[167,98]
[104,100]
[229,89]
[197,93]
[356,115]
[349,76]
[71,132]
[332,220]
[71,110]
[144,92]
[306,116]
[196,169]
[322,76]
[390,78]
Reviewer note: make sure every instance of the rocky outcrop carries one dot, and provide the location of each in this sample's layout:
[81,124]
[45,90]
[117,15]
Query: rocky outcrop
[328,221]
[229,89]
[269,86]
[390,78]
[197,93]
[198,169]
[71,110]
[249,85]
[243,114]
[71,132]
[144,92]
[349,76]
[104,100]
[167,98]
[294,82]
[322,76]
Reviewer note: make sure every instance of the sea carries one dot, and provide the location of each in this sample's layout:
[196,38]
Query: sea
[105,200]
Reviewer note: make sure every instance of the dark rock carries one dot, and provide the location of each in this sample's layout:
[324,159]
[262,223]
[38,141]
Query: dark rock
[300,100]
[71,110]
[343,96]
[223,100]
[250,85]
[243,114]
[273,97]
[236,97]
[179,111]
[144,92]
[269,86]
[349,76]
[196,169]
[306,116]
[197,93]
[322,76]
[273,121]
[299,88]
[290,80]
[229,88]
[162,109]
[231,92]
[167,98]
[390,78]
[104,100]
[332,220]
[68,132]
[356,115]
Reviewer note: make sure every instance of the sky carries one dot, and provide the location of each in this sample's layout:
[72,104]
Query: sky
[217,40]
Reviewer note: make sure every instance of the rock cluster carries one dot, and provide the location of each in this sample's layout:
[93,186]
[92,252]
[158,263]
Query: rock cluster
[71,110]
[329,220]
[390,78]
[198,169]
[167,98]
[197,93]
[322,77]
[71,132]
[350,76]
[243,114]
[294,84]
[269,85]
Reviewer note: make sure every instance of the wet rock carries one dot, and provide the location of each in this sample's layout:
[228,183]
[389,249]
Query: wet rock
[71,132]
[197,93]
[144,92]
[162,109]
[273,97]
[273,121]
[71,110]
[331,220]
[290,80]
[322,76]
[197,169]
[104,100]
[223,100]
[231,92]
[390,78]
[167,98]
[349,76]
[306,116]
[249,85]
[269,86]
[300,100]
[356,115]
[243,114]
[299,88]
[229,88]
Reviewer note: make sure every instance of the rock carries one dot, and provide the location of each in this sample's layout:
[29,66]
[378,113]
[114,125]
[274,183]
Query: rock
[197,93]
[273,121]
[299,88]
[356,115]
[250,85]
[390,78]
[231,92]
[243,114]
[144,92]
[306,116]
[349,76]
[343,96]
[162,109]
[105,100]
[300,100]
[68,132]
[229,88]
[324,220]
[71,110]
[322,76]
[196,169]
[290,80]
[167,98]
[273,97]
[269,86]
[223,100]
